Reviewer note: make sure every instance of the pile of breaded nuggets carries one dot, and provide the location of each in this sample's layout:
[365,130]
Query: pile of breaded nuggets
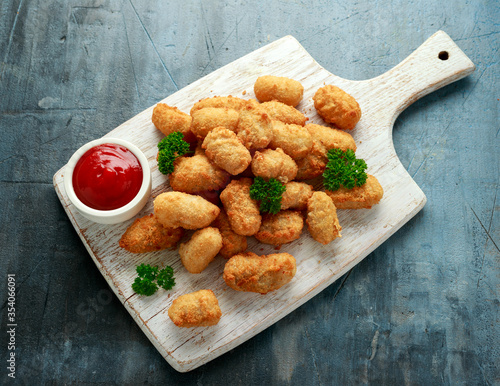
[237,140]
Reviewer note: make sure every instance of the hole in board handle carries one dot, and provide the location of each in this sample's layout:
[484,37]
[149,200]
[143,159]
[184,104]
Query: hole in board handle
[443,55]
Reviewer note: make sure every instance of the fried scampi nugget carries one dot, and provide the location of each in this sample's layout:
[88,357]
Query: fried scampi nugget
[274,164]
[296,196]
[280,228]
[243,212]
[207,119]
[324,139]
[201,249]
[331,138]
[195,174]
[295,140]
[177,209]
[229,102]
[223,147]
[336,106]
[200,308]
[312,165]
[262,274]
[285,90]
[146,234]
[169,119]
[362,197]
[322,218]
[281,112]
[232,243]
[254,127]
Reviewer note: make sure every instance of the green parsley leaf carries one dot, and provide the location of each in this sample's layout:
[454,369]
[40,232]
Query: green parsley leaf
[344,169]
[165,278]
[145,283]
[144,286]
[269,193]
[170,148]
[147,272]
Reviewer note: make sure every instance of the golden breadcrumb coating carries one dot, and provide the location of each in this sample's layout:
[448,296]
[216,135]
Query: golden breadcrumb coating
[336,106]
[225,149]
[362,197]
[312,165]
[177,209]
[324,139]
[200,308]
[262,274]
[169,119]
[296,196]
[254,127]
[285,90]
[295,140]
[284,113]
[229,102]
[242,211]
[207,119]
[197,173]
[146,234]
[201,249]
[280,228]
[322,218]
[331,138]
[232,243]
[274,164]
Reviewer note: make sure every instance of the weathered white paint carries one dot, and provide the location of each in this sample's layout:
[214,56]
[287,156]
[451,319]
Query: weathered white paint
[246,314]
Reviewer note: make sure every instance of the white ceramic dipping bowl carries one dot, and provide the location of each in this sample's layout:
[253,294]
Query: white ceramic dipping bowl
[113,216]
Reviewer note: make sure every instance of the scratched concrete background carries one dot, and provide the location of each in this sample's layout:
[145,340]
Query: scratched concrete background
[423,309]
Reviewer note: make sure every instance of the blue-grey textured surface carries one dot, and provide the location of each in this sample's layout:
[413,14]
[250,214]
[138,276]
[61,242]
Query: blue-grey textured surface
[422,309]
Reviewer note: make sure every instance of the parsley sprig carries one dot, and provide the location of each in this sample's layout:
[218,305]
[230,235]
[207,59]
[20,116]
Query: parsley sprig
[344,169]
[145,283]
[269,193]
[170,148]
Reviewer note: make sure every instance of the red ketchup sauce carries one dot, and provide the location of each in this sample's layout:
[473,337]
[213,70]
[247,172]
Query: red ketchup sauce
[107,177]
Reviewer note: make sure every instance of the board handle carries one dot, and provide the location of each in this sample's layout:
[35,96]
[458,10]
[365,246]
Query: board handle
[436,63]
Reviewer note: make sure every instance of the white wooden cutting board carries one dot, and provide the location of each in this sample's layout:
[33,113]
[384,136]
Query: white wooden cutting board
[246,314]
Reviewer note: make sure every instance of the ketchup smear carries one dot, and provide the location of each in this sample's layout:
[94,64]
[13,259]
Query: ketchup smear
[107,177]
